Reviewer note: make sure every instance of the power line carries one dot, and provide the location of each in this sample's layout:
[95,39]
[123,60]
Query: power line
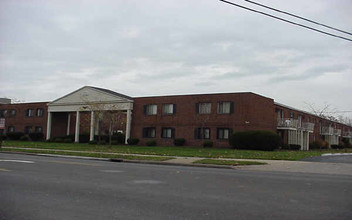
[291,22]
[296,16]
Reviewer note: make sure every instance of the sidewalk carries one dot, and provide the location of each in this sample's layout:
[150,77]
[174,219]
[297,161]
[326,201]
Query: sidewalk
[272,165]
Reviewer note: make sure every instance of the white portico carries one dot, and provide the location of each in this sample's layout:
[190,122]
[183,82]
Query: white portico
[90,99]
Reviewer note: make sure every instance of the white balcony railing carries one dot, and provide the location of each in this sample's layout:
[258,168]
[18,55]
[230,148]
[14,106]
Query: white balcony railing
[327,131]
[308,126]
[287,123]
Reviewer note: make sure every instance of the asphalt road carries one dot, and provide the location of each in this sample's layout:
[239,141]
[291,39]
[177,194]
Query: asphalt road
[331,159]
[56,188]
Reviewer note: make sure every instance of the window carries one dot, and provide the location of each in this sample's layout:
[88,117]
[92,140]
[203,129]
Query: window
[40,112]
[202,133]
[224,133]
[29,112]
[28,129]
[39,129]
[292,115]
[167,132]
[150,109]
[203,108]
[12,113]
[10,129]
[149,132]
[3,113]
[225,107]
[169,109]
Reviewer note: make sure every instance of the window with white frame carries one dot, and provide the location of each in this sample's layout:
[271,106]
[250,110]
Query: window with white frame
[40,112]
[225,107]
[150,109]
[167,132]
[224,133]
[169,109]
[203,108]
[29,112]
[202,133]
[149,132]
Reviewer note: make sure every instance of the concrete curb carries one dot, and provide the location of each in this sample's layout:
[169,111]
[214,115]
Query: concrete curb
[124,160]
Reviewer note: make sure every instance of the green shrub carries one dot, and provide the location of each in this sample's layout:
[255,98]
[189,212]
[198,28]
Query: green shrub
[207,144]
[346,143]
[58,140]
[67,140]
[337,146]
[318,144]
[132,141]
[37,136]
[14,135]
[255,140]
[24,138]
[151,143]
[115,143]
[179,141]
[295,147]
[2,137]
[285,147]
[102,142]
[93,142]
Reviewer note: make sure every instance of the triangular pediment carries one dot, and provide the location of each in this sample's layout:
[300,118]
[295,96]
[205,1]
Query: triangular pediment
[88,94]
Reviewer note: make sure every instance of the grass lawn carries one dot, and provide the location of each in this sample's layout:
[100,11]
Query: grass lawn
[89,154]
[228,162]
[178,151]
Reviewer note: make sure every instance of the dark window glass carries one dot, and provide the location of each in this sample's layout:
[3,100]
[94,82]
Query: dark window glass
[167,132]
[202,133]
[29,112]
[149,132]
[40,112]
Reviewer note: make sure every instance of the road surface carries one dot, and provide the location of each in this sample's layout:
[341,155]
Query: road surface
[34,187]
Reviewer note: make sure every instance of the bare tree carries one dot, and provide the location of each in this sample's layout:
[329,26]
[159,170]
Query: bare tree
[329,113]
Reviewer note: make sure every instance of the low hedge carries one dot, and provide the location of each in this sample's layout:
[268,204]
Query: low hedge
[132,141]
[151,143]
[37,136]
[337,146]
[255,140]
[207,144]
[179,141]
[318,144]
[14,136]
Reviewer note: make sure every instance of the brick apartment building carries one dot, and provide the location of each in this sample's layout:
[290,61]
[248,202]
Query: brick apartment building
[162,118]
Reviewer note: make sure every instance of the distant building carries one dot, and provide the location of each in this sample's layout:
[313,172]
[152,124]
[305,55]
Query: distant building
[163,118]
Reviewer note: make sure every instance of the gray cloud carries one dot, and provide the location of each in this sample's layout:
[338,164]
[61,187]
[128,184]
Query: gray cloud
[49,48]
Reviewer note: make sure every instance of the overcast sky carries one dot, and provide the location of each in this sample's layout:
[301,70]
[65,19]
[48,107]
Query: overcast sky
[160,47]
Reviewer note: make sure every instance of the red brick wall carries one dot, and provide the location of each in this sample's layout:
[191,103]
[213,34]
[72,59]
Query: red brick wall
[20,121]
[251,112]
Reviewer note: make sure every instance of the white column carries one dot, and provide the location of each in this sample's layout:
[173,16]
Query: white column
[91,126]
[68,124]
[307,140]
[128,125]
[97,127]
[77,128]
[302,140]
[48,126]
